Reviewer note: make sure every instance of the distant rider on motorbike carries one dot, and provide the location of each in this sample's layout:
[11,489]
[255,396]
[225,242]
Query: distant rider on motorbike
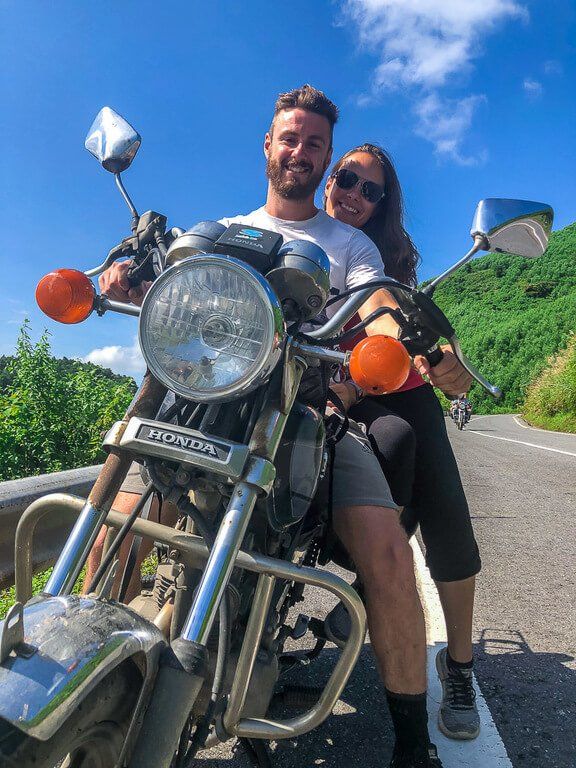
[463,402]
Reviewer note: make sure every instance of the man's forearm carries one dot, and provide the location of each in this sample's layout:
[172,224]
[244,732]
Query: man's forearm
[385,324]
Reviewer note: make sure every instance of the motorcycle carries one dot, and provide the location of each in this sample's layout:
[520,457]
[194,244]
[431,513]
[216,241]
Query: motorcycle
[461,416]
[87,681]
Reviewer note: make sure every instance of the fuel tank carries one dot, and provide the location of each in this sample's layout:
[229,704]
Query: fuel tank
[299,462]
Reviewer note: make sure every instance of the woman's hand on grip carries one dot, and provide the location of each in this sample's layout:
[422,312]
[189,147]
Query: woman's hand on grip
[449,375]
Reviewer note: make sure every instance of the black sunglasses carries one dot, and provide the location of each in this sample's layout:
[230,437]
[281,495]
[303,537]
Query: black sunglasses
[346,179]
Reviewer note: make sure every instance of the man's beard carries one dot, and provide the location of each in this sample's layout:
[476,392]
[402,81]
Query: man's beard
[291,189]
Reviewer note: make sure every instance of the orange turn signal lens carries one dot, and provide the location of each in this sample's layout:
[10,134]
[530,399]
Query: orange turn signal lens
[66,295]
[379,364]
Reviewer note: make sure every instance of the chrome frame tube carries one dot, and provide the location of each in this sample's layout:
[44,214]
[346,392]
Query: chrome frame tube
[23,562]
[220,564]
[76,550]
[263,443]
[249,650]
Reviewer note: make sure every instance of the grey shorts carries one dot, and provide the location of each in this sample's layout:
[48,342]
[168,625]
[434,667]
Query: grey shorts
[358,479]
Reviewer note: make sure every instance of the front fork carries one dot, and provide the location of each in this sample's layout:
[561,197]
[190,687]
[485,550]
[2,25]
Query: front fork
[183,668]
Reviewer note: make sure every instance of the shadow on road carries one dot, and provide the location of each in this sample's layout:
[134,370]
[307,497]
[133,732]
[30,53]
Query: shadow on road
[360,731]
[357,735]
[532,698]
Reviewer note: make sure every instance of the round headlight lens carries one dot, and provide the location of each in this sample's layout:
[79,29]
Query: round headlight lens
[210,328]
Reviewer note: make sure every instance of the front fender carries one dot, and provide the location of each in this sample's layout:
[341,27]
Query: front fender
[75,642]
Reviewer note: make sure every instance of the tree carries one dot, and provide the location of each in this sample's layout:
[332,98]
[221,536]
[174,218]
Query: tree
[50,420]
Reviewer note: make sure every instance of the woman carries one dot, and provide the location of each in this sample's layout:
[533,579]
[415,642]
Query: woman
[408,432]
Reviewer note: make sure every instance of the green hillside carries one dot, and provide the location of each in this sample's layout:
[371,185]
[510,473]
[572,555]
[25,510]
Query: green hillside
[512,314]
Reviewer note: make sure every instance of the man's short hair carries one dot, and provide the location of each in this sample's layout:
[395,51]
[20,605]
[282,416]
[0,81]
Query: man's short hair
[309,98]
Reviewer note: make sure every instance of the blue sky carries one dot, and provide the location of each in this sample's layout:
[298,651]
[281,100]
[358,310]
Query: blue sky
[473,99]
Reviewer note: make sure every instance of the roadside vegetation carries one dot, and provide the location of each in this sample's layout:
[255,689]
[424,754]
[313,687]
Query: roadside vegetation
[53,412]
[39,581]
[513,317]
[551,398]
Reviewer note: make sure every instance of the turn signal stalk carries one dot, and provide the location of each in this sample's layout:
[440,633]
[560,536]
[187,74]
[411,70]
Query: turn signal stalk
[66,295]
[379,364]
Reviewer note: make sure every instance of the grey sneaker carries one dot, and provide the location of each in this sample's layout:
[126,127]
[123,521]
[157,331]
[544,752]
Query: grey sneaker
[458,715]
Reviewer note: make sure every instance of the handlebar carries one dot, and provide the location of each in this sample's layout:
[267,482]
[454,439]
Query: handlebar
[334,325]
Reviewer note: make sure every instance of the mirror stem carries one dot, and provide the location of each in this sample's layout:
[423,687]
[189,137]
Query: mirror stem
[479,244]
[129,202]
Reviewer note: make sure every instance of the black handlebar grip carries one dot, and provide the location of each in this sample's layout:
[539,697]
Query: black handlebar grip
[435,356]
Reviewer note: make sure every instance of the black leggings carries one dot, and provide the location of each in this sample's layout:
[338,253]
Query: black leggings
[408,434]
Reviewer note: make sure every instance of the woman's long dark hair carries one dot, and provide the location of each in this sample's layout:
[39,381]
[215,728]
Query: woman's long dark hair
[386,225]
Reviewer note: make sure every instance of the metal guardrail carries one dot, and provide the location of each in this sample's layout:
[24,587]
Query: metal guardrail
[16,495]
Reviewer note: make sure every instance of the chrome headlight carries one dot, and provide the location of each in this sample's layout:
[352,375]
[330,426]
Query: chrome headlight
[211,328]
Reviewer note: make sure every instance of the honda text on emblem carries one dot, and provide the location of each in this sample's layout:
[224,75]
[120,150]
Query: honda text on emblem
[219,452]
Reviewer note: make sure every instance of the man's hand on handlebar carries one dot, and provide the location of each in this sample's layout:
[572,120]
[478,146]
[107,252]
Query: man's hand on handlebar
[344,392]
[114,283]
[449,375]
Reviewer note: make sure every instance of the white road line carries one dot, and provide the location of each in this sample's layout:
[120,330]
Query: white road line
[521,442]
[486,751]
[537,429]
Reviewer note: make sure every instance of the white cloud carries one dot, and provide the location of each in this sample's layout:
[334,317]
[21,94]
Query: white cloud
[124,360]
[445,123]
[532,87]
[23,314]
[553,67]
[423,45]
[423,42]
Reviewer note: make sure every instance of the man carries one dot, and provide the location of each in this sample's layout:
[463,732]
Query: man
[464,401]
[298,150]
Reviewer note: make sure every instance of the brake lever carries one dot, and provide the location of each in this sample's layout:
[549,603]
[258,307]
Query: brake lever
[122,249]
[493,390]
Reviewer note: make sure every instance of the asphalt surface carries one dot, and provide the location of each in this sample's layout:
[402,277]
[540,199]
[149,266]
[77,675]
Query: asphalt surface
[523,504]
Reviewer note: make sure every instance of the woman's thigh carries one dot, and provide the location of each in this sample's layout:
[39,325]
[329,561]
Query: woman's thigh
[394,444]
[438,501]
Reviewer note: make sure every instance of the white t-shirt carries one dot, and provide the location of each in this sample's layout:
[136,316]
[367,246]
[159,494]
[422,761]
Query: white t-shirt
[354,259]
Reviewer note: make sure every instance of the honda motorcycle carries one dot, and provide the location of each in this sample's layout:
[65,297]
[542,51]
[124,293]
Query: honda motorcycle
[243,451]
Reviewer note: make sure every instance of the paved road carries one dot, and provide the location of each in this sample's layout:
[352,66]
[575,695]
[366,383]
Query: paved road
[523,501]
[521,485]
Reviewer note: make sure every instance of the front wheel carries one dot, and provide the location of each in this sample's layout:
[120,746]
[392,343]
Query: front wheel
[92,737]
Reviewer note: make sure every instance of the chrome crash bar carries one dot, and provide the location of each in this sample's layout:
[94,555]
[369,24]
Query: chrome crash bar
[193,552]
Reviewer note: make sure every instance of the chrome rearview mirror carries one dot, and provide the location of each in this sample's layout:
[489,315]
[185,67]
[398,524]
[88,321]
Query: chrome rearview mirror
[112,141]
[519,227]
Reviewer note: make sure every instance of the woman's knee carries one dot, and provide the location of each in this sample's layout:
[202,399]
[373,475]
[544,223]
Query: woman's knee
[393,436]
